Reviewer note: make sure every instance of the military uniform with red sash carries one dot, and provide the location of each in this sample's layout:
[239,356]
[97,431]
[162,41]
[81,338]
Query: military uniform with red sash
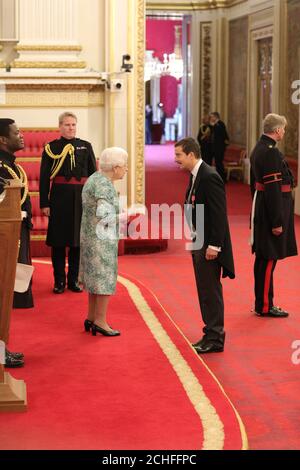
[273,207]
[66,164]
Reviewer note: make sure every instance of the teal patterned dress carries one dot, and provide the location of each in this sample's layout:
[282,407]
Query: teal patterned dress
[99,236]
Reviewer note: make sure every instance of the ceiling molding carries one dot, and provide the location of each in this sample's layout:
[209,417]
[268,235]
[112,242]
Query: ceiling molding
[192,5]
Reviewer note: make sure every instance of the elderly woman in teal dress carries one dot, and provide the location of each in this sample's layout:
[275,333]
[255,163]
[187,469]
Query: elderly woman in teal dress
[99,238]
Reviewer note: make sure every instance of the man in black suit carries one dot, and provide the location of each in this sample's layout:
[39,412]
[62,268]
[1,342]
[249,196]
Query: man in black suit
[204,139]
[207,188]
[219,141]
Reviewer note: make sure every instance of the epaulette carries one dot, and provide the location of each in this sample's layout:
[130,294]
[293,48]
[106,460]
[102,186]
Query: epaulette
[59,159]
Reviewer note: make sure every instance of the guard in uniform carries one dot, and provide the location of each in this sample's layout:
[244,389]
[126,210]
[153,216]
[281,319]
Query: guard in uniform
[66,163]
[11,140]
[272,218]
[9,169]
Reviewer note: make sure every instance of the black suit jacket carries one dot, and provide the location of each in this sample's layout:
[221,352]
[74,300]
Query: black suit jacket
[219,136]
[209,190]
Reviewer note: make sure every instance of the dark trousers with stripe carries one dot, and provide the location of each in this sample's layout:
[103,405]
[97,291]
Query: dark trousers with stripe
[210,294]
[59,263]
[263,275]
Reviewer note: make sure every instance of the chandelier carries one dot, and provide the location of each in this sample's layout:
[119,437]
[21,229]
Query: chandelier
[172,64]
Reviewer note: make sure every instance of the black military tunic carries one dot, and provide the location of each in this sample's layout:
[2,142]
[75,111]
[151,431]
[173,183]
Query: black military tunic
[65,199]
[21,300]
[274,205]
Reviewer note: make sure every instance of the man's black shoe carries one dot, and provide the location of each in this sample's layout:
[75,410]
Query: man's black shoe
[59,288]
[74,287]
[276,312]
[200,342]
[11,361]
[208,347]
[16,355]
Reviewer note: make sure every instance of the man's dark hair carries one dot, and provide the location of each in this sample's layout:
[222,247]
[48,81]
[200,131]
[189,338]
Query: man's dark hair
[189,145]
[4,126]
[215,113]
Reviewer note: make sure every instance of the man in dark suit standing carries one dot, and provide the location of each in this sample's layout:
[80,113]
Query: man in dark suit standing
[204,140]
[207,188]
[273,234]
[219,141]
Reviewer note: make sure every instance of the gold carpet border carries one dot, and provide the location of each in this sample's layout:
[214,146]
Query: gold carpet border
[245,442]
[213,429]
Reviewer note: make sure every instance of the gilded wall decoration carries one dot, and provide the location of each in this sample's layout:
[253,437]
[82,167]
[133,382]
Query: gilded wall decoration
[49,65]
[205,68]
[237,93]
[293,73]
[140,103]
[34,97]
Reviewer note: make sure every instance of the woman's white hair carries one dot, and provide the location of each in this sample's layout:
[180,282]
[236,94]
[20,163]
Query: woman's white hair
[112,157]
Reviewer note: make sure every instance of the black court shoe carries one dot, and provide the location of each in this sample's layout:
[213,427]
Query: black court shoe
[88,325]
[16,355]
[13,362]
[97,329]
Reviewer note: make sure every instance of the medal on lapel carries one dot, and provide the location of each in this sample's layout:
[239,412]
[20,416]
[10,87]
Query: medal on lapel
[193,198]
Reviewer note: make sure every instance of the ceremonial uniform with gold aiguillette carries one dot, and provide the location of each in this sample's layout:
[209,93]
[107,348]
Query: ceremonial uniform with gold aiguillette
[67,163]
[10,170]
[273,206]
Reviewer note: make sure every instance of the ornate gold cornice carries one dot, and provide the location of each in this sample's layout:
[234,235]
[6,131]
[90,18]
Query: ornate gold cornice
[87,87]
[52,77]
[193,5]
[54,98]
[49,65]
[44,47]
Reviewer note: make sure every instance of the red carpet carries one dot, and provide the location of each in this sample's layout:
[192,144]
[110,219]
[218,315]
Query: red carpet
[146,389]
[255,369]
